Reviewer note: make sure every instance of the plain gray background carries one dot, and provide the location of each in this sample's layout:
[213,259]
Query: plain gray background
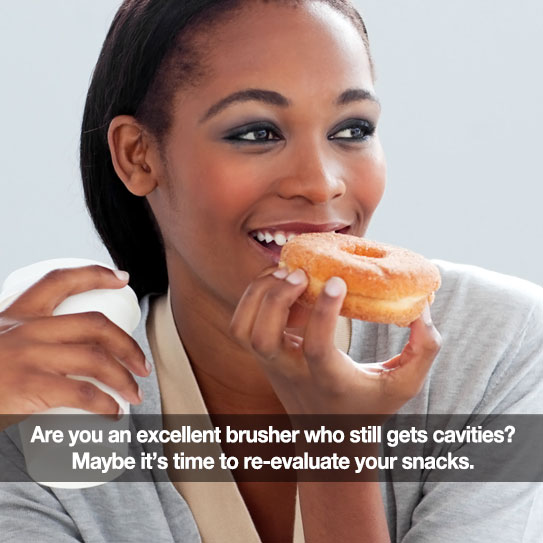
[462,92]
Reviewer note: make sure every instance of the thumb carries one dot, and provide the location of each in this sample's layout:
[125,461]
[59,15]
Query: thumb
[412,365]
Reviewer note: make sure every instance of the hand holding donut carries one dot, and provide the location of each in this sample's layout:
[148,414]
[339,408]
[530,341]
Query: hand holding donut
[309,374]
[38,350]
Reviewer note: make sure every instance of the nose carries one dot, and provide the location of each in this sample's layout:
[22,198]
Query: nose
[312,176]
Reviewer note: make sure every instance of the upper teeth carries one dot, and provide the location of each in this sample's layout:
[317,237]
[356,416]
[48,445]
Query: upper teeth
[279,237]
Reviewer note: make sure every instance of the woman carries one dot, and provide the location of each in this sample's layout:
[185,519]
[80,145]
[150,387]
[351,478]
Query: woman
[206,124]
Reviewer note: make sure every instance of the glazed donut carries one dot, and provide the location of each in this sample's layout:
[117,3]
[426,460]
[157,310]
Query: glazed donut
[385,284]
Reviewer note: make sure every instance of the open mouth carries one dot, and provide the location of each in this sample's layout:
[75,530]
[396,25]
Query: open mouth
[273,240]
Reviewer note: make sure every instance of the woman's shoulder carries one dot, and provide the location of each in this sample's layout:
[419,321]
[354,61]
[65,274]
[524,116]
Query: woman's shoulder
[491,326]
[463,280]
[475,295]
[492,331]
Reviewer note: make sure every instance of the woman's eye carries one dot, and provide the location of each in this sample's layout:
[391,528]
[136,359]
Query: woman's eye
[255,134]
[356,131]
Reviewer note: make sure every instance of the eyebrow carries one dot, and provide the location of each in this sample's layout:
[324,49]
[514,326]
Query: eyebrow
[356,95]
[258,95]
[276,99]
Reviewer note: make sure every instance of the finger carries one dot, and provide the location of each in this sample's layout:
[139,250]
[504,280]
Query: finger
[90,360]
[44,391]
[46,294]
[409,369]
[268,332]
[92,327]
[320,330]
[247,309]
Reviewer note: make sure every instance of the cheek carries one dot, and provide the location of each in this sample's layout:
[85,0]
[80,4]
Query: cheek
[224,189]
[370,181]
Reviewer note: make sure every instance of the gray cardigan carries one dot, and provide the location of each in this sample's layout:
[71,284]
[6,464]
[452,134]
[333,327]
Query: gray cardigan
[491,362]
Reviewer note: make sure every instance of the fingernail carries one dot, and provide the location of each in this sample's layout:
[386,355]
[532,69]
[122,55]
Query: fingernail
[140,394]
[120,412]
[426,316]
[297,277]
[335,286]
[148,366]
[122,275]
[281,273]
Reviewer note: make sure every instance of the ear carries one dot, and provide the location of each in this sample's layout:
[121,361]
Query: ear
[133,155]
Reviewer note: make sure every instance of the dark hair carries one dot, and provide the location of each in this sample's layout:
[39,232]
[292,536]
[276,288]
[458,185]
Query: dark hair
[146,56]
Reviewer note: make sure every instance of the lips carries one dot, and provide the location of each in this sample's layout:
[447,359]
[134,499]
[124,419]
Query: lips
[272,238]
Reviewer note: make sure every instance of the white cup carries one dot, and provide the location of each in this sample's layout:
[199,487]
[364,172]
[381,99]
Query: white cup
[122,308]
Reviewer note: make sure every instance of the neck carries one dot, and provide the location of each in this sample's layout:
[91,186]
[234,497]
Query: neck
[231,380]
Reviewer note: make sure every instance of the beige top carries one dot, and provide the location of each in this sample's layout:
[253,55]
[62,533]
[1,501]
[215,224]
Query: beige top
[218,508]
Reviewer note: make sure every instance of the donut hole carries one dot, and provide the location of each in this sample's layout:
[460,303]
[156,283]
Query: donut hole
[367,252]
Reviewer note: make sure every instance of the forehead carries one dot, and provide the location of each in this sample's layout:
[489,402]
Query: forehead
[308,49]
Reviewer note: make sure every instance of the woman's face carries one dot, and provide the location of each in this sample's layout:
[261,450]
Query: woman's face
[276,139]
